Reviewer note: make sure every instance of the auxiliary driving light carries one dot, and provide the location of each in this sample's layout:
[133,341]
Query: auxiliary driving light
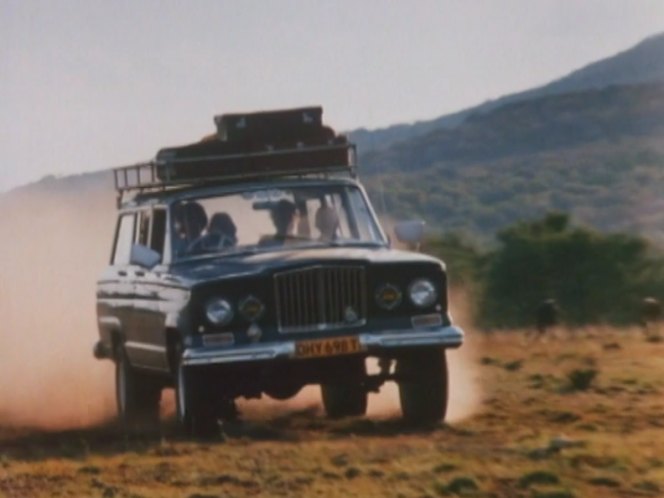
[251,308]
[388,296]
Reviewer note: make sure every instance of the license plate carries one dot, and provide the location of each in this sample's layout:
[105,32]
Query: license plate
[327,347]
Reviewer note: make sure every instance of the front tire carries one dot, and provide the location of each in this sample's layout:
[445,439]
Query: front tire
[423,385]
[137,396]
[195,411]
[347,398]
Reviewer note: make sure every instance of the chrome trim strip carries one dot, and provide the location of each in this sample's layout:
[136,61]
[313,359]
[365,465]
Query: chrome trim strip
[324,327]
[145,347]
[207,356]
[451,337]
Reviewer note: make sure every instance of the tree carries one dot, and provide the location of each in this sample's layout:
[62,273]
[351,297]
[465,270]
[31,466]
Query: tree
[594,277]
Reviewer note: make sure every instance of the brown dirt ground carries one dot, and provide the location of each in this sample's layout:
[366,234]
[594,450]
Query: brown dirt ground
[534,434]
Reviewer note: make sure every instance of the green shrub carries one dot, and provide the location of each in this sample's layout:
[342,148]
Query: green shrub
[538,477]
[581,379]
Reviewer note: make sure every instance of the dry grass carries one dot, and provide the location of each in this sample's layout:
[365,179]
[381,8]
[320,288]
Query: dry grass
[534,435]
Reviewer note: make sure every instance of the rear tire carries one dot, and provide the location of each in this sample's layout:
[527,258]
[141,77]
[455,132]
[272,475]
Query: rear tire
[423,385]
[195,411]
[137,396]
[347,398]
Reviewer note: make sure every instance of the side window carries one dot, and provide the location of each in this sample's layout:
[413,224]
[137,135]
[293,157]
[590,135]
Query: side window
[151,229]
[158,234]
[123,239]
[143,235]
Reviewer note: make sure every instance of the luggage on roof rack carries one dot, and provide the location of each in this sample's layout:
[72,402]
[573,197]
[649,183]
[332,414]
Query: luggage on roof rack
[253,145]
[258,144]
[286,126]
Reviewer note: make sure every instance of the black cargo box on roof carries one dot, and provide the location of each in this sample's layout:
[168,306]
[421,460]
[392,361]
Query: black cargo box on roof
[273,126]
[259,144]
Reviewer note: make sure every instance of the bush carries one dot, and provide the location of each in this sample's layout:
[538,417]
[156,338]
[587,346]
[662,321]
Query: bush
[457,486]
[593,277]
[538,477]
[581,379]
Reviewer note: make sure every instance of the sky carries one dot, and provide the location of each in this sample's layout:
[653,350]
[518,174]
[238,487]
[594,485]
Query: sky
[90,84]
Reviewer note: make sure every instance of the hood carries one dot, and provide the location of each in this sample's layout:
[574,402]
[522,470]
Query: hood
[260,263]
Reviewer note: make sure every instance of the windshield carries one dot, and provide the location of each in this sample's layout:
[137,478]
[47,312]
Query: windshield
[259,220]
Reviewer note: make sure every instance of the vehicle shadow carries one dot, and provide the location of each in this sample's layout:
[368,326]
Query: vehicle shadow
[30,443]
[108,438]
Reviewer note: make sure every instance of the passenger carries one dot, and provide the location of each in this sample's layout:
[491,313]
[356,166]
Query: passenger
[221,232]
[327,222]
[189,221]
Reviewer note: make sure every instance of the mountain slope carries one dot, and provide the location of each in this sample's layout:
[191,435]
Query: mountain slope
[550,122]
[598,154]
[643,63]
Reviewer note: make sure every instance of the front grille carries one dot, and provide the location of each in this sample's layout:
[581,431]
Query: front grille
[320,298]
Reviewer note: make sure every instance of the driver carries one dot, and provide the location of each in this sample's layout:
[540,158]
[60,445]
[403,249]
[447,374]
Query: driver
[283,216]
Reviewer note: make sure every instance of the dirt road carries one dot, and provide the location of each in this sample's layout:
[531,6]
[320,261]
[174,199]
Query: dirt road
[568,417]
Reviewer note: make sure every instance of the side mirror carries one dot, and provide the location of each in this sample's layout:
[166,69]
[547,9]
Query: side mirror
[409,232]
[144,256]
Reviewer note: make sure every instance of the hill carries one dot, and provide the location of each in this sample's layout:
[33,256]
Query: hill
[597,154]
[590,144]
[643,63]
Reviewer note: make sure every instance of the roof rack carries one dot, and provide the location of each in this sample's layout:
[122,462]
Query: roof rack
[169,171]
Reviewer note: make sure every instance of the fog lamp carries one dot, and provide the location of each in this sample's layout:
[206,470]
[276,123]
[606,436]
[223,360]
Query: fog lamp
[251,308]
[388,296]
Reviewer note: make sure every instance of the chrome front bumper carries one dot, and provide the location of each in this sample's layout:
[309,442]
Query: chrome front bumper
[449,337]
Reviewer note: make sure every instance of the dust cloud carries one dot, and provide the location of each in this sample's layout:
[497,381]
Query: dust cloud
[465,393]
[56,240]
[55,243]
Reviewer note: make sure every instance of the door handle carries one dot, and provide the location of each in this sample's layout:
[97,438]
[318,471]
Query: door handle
[139,273]
[122,273]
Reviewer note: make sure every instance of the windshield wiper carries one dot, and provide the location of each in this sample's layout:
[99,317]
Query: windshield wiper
[217,254]
[351,243]
[240,252]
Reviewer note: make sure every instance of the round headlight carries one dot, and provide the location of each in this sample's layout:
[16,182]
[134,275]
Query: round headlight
[422,293]
[219,311]
[388,296]
[251,308]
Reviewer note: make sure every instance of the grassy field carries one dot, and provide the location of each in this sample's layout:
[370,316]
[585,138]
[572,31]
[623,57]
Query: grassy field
[572,416]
